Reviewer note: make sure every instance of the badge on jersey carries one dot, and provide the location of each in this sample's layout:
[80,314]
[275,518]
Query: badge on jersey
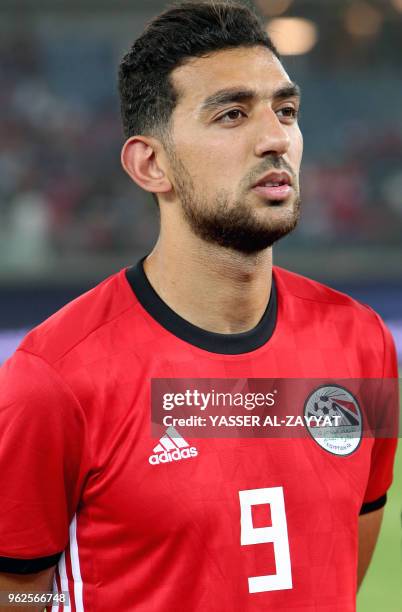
[340,406]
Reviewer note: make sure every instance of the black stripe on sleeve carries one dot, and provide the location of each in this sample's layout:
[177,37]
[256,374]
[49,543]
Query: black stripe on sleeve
[27,566]
[374,505]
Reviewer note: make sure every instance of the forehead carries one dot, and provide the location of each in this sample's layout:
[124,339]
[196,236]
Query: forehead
[256,68]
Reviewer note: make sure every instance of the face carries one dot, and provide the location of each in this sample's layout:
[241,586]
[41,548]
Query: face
[236,148]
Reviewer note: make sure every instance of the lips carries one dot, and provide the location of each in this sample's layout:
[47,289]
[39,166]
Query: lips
[274,186]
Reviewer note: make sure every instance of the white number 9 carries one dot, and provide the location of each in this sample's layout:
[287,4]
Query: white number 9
[277,534]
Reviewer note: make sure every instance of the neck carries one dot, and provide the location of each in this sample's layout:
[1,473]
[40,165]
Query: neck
[213,288]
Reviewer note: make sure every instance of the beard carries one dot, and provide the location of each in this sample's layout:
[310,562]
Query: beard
[235,226]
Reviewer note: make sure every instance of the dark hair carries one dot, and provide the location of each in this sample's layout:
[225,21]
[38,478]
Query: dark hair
[186,30]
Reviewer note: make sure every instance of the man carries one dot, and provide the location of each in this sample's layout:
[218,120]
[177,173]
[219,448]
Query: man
[243,524]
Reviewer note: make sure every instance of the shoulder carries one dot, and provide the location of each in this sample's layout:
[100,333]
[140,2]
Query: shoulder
[81,320]
[305,298]
[303,288]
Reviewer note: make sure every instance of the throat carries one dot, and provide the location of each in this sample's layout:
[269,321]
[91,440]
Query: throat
[217,296]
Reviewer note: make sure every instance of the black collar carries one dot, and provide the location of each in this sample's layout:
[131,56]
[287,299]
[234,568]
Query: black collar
[225,344]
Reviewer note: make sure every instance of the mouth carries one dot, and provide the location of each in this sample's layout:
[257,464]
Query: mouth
[274,186]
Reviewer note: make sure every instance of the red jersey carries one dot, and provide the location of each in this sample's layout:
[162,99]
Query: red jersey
[244,524]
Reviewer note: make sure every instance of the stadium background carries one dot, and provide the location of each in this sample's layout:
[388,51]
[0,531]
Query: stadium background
[69,216]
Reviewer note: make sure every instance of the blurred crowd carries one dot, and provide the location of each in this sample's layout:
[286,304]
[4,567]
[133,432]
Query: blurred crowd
[356,198]
[63,192]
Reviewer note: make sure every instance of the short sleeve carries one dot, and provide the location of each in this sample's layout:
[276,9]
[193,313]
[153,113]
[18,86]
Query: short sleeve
[44,460]
[384,449]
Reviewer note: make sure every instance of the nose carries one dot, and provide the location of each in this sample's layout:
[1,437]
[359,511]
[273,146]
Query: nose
[273,137]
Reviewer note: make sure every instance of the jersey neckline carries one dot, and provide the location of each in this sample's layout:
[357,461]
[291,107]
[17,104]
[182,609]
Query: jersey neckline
[225,344]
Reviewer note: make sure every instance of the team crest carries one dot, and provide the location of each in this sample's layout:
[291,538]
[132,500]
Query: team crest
[338,425]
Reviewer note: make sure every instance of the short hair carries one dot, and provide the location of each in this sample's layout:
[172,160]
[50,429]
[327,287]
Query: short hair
[186,30]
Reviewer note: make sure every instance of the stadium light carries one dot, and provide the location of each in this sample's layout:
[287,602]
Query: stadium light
[271,8]
[362,19]
[293,35]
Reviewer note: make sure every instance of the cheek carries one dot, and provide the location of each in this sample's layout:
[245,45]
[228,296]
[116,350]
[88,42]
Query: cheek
[211,166]
[212,155]
[298,147]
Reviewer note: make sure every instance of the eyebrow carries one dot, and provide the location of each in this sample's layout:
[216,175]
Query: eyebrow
[234,94]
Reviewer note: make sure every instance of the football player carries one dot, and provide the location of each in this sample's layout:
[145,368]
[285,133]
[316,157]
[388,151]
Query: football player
[89,500]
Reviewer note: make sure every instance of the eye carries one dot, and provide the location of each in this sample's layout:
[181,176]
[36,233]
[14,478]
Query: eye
[231,116]
[289,112]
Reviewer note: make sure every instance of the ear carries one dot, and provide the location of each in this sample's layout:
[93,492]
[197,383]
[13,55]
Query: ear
[142,160]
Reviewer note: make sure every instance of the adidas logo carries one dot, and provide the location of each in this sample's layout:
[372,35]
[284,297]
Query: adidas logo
[172,447]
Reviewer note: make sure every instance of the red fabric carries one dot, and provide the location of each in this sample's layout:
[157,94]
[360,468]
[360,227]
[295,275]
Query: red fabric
[75,423]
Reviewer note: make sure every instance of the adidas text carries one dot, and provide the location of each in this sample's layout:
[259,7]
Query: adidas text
[175,455]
